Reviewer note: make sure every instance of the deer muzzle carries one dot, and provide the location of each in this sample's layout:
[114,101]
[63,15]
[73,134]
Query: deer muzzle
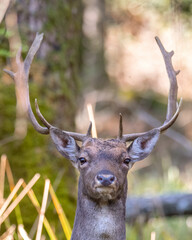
[105,178]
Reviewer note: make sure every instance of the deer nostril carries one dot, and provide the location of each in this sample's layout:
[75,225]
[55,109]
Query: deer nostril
[112,179]
[99,177]
[106,179]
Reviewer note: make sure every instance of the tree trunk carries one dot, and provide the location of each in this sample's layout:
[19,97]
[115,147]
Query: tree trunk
[143,208]
[54,80]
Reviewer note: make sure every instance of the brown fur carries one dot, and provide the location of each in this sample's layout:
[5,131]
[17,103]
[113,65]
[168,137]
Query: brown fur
[100,213]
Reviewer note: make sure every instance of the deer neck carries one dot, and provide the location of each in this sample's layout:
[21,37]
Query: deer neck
[97,220]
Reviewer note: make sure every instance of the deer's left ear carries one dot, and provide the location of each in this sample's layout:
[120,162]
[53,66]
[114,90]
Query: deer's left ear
[142,146]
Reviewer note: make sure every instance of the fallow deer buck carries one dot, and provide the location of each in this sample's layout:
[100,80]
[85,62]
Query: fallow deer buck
[103,164]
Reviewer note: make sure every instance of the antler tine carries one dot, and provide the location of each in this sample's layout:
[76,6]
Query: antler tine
[169,123]
[120,126]
[172,108]
[39,114]
[31,53]
[25,75]
[10,73]
[172,98]
[89,131]
[21,80]
[164,127]
[76,136]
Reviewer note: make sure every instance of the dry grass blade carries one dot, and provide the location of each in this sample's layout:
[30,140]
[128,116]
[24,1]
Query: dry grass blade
[92,119]
[9,237]
[153,235]
[23,233]
[19,198]
[43,207]
[36,204]
[11,187]
[10,231]
[2,177]
[11,196]
[64,222]
[9,176]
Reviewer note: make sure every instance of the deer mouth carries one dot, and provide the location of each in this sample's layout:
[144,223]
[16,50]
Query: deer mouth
[105,185]
[106,191]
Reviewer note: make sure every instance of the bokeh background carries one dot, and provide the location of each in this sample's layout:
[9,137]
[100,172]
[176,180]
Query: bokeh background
[103,53]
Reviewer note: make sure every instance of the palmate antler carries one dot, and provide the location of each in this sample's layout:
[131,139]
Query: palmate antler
[173,108]
[22,75]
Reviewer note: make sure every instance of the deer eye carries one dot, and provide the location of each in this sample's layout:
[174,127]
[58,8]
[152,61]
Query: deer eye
[82,160]
[127,161]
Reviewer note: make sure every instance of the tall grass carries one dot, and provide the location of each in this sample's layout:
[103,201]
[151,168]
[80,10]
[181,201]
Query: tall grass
[10,204]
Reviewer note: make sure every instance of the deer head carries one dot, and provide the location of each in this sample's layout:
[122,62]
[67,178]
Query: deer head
[103,164]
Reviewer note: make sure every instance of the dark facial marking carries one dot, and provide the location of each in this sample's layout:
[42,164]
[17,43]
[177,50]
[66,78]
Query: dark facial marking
[143,144]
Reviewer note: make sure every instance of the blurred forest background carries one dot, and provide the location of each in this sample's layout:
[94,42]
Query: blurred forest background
[103,53]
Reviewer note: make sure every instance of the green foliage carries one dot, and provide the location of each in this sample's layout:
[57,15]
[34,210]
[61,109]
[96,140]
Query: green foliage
[184,6]
[4,53]
[150,181]
[4,49]
[32,155]
[165,229]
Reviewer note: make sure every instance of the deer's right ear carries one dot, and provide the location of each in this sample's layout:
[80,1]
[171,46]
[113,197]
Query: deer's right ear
[65,144]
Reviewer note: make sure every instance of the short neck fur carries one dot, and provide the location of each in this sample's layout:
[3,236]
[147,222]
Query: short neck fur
[96,220]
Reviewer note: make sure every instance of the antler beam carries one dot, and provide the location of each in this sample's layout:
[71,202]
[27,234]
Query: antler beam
[172,108]
[21,78]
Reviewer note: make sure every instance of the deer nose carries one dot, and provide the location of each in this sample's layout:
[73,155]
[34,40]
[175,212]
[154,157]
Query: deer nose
[106,178]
